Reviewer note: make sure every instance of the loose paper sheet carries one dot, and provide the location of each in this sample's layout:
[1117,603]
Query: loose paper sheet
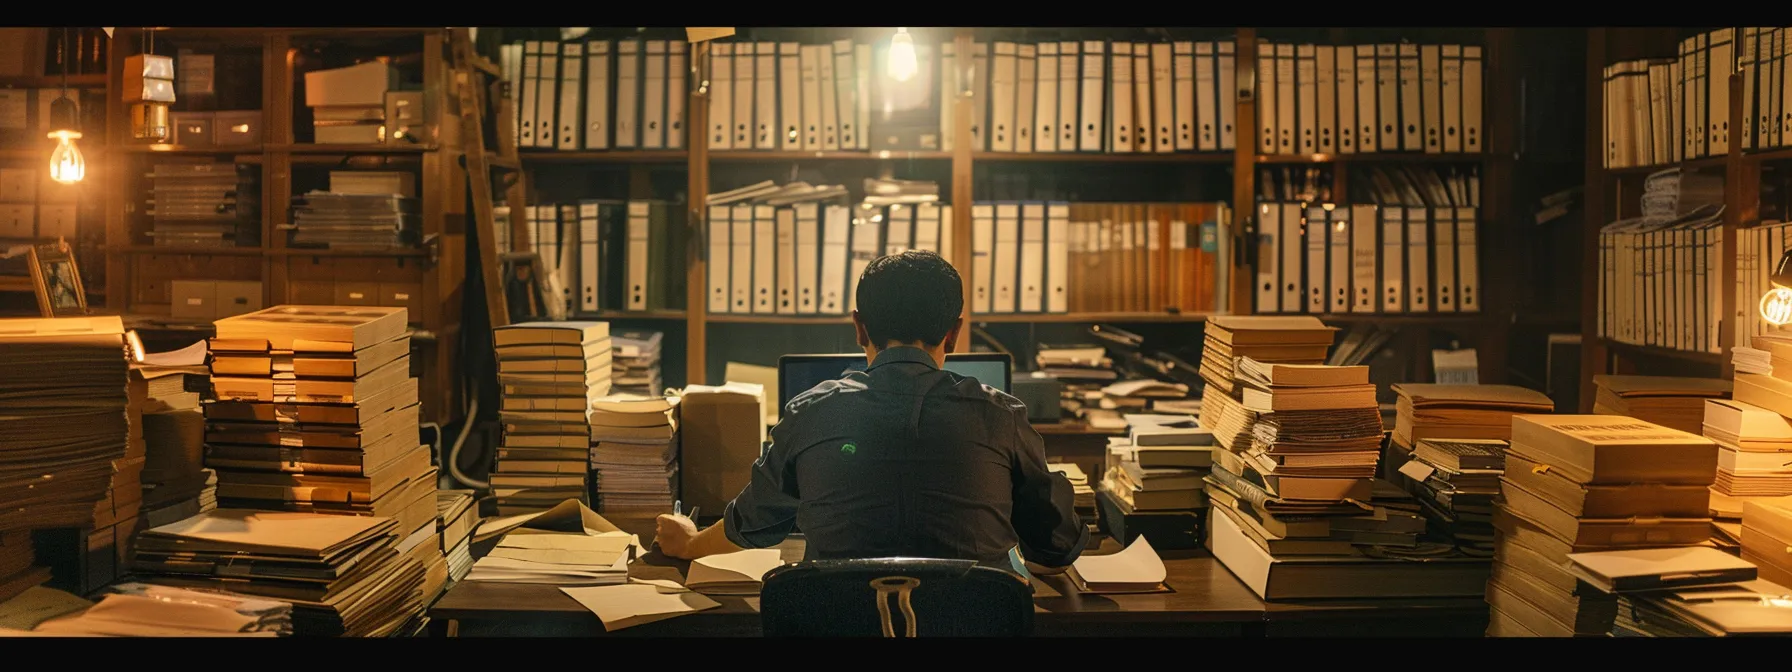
[741,566]
[1137,564]
[633,604]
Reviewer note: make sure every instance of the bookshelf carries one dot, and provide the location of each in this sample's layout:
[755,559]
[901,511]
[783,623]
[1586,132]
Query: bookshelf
[1486,331]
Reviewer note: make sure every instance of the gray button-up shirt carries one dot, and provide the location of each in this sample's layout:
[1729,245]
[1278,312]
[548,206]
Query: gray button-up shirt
[904,459]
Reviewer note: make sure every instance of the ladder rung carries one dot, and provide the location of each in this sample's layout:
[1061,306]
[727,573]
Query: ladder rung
[486,64]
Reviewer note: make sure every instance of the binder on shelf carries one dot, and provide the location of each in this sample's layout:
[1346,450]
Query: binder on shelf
[807,97]
[1431,102]
[1450,86]
[836,251]
[1194,100]
[721,95]
[1094,96]
[861,60]
[1057,264]
[1468,265]
[808,255]
[531,87]
[597,94]
[1269,245]
[590,270]
[1141,97]
[1777,91]
[946,233]
[1368,119]
[1411,107]
[899,230]
[1418,265]
[745,90]
[1120,98]
[1163,96]
[1471,99]
[1387,85]
[766,122]
[1325,63]
[628,94]
[720,253]
[1292,287]
[1179,274]
[1443,245]
[1004,71]
[948,94]
[653,96]
[846,95]
[1025,97]
[1032,257]
[825,84]
[927,228]
[572,61]
[1345,80]
[1069,98]
[1228,96]
[1287,92]
[567,266]
[788,91]
[640,223]
[1393,259]
[765,259]
[677,94]
[980,94]
[983,243]
[867,242]
[740,262]
[1315,227]
[1338,230]
[1266,97]
[1045,105]
[1005,266]
[1750,66]
[785,291]
[1306,92]
[1722,64]
[1364,256]
[547,96]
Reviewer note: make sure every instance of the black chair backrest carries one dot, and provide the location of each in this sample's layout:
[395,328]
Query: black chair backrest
[894,597]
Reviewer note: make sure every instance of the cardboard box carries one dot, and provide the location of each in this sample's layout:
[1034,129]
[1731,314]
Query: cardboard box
[236,297]
[55,221]
[18,185]
[194,300]
[721,431]
[364,84]
[236,128]
[192,129]
[18,221]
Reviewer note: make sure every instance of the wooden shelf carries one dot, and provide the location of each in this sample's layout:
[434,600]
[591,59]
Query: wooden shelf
[604,157]
[86,81]
[1103,157]
[312,148]
[1419,318]
[749,156]
[631,315]
[327,252]
[1373,157]
[1770,155]
[382,31]
[1090,317]
[187,249]
[1630,350]
[1706,162]
[779,319]
[241,150]
[16,283]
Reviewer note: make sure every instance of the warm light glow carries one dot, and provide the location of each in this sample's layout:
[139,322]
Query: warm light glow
[1776,306]
[66,164]
[903,65]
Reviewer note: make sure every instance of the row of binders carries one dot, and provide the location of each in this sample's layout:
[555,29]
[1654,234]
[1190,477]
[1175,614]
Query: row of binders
[1095,96]
[1326,259]
[1056,257]
[598,94]
[611,255]
[1665,110]
[806,258]
[790,96]
[1324,99]
[1661,284]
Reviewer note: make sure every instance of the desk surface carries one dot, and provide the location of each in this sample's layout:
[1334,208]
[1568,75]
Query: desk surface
[1204,597]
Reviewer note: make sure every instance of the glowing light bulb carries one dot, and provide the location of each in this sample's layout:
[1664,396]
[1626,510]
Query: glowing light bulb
[902,63]
[1776,306]
[67,166]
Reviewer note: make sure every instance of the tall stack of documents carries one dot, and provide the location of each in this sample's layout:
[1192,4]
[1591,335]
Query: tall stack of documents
[567,545]
[612,255]
[634,450]
[457,513]
[1318,431]
[204,205]
[1682,592]
[361,209]
[1664,400]
[1326,99]
[63,413]
[343,574]
[145,610]
[317,411]
[1152,483]
[1428,411]
[1754,446]
[88,557]
[1457,481]
[1767,538]
[1577,483]
[550,372]
[1291,340]
[635,362]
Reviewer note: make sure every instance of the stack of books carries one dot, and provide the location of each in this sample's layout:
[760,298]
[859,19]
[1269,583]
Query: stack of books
[62,411]
[204,205]
[550,373]
[349,220]
[1579,483]
[457,513]
[1318,431]
[634,450]
[1683,592]
[1428,411]
[1151,486]
[1668,401]
[635,363]
[1457,481]
[1753,447]
[344,575]
[1767,538]
[1267,339]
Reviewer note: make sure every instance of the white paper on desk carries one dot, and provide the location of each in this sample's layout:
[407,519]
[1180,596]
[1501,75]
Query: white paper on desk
[664,585]
[192,355]
[1138,564]
[560,556]
[608,542]
[740,567]
[633,604]
[1154,419]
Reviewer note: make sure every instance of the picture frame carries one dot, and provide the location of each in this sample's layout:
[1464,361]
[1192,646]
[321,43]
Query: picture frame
[57,280]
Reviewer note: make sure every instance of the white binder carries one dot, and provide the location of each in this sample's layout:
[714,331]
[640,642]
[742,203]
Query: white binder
[765,259]
[639,256]
[1471,99]
[766,122]
[1228,96]
[1450,78]
[1120,98]
[720,253]
[546,93]
[740,261]
[677,94]
[808,254]
[1045,104]
[572,62]
[947,237]
[1325,63]
[983,243]
[1025,96]
[511,58]
[1315,229]
[1094,96]
[1287,97]
[1368,120]
[1191,124]
[1722,64]
[1412,111]
[568,263]
[1032,257]
[846,95]
[1345,81]
[530,91]
[1779,113]
[1292,289]
[948,94]
[927,227]
[1306,93]
[589,272]
[1685,318]
[899,229]
[1006,263]
[1163,97]
[1688,82]
[981,91]
[1141,97]
[1266,98]
[1269,245]
[808,98]
[653,96]
[1387,85]
[721,95]
[1364,255]
[1418,263]
[1069,98]
[861,60]
[867,242]
[1338,231]
[836,229]
[1393,259]
[1057,264]
[784,228]
[1714,289]
[745,89]
[1443,246]
[1676,112]
[825,83]
[791,127]
[628,94]
[1431,101]
[1004,71]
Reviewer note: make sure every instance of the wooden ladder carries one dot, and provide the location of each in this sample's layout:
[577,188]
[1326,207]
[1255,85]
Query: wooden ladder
[470,73]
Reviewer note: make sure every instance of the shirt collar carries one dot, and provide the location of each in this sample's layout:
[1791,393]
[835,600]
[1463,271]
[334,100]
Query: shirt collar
[904,353]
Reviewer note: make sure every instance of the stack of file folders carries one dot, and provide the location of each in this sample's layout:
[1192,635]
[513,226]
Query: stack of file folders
[343,574]
[634,450]
[1664,400]
[1683,592]
[348,220]
[1318,98]
[1151,483]
[1578,483]
[316,411]
[567,545]
[550,373]
[1292,340]
[1429,411]
[635,363]
[204,205]
[1754,446]
[63,406]
[145,610]
[1457,480]
[612,255]
[457,513]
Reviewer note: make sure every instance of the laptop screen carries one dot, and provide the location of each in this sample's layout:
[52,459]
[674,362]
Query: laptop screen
[799,373]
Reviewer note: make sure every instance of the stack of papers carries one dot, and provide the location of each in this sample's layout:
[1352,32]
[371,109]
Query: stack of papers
[550,372]
[1457,481]
[737,573]
[1682,592]
[568,545]
[1425,411]
[1137,569]
[143,610]
[1265,338]
[1083,369]
[1137,395]
[1749,360]
[344,575]
[634,450]
[1754,462]
[457,514]
[1318,435]
[63,416]
[1668,401]
[635,363]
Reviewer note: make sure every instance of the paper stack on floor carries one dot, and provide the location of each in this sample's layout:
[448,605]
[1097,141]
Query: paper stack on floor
[344,575]
[143,610]
[1426,411]
[1457,481]
[1678,403]
[550,372]
[457,513]
[63,415]
[634,451]
[635,363]
[1577,483]
[567,545]
[1754,463]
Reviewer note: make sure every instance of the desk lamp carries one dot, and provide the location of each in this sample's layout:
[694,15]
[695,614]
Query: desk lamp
[1776,304]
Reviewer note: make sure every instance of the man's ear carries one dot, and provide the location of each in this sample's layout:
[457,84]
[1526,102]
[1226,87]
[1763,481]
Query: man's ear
[951,342]
[858,328]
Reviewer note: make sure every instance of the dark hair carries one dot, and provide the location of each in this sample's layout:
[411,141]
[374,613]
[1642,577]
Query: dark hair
[909,297]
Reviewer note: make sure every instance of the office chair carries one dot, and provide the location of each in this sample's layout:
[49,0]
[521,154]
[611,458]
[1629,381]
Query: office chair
[894,597]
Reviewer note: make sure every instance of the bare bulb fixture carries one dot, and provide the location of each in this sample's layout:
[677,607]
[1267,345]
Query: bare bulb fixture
[1776,304]
[902,63]
[67,166]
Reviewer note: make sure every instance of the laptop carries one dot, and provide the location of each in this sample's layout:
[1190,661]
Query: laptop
[800,373]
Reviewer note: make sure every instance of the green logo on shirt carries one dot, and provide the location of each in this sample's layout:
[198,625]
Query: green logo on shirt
[849,449]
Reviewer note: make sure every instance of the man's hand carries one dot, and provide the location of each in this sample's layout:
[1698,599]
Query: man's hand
[674,535]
